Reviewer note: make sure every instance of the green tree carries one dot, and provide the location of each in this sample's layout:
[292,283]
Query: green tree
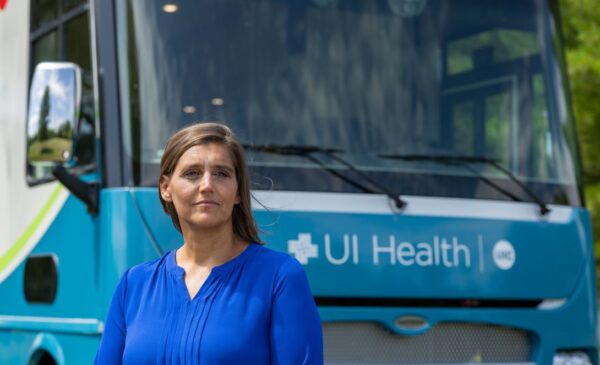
[64,131]
[581,28]
[44,116]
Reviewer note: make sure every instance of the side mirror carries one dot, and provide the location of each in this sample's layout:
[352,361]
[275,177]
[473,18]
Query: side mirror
[54,102]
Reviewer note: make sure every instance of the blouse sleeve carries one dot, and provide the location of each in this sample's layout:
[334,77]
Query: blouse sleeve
[296,334]
[113,338]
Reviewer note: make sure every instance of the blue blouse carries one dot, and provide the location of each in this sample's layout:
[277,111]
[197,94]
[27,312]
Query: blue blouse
[255,309]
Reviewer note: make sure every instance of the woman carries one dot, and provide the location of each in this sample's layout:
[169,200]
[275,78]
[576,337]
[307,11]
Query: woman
[221,298]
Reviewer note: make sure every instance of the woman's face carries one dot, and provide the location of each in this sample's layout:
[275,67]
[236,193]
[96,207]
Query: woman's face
[203,187]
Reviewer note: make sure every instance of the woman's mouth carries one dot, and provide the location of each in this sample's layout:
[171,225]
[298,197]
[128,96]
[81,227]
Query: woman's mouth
[206,203]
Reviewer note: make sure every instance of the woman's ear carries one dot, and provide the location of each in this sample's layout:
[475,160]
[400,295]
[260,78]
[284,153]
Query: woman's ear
[165,191]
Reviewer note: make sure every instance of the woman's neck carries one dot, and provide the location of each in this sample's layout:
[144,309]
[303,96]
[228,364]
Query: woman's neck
[209,249]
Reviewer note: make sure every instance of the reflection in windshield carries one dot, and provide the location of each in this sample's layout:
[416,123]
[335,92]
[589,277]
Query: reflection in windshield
[50,119]
[366,76]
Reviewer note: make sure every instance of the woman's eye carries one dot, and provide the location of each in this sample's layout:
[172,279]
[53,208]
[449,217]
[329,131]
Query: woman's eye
[221,173]
[191,173]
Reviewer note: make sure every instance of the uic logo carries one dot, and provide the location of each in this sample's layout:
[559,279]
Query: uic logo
[3,4]
[504,255]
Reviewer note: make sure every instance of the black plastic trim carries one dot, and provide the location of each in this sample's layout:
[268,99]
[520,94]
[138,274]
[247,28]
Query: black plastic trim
[40,281]
[88,193]
[111,138]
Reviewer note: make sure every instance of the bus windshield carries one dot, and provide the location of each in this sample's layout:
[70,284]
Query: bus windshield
[367,78]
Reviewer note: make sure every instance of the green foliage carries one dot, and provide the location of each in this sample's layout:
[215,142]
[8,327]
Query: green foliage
[581,27]
[49,150]
[44,115]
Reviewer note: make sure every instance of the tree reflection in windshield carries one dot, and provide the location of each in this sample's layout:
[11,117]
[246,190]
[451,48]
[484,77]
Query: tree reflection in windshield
[447,77]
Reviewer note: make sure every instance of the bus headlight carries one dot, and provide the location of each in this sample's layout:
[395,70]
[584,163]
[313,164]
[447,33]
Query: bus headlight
[571,358]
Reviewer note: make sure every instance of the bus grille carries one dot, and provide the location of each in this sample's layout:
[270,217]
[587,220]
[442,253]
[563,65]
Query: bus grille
[448,343]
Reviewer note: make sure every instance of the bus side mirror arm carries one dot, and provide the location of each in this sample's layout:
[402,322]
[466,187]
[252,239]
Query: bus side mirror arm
[86,192]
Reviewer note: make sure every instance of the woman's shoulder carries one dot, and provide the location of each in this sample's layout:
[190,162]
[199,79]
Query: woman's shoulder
[279,263]
[286,275]
[268,255]
[142,272]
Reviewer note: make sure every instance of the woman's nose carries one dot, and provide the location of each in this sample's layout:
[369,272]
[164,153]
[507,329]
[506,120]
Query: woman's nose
[206,183]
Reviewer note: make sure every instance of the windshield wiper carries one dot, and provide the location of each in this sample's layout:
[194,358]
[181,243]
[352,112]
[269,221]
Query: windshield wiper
[308,153]
[466,161]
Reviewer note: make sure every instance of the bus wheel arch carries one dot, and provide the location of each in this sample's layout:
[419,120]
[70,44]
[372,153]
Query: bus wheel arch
[42,357]
[46,350]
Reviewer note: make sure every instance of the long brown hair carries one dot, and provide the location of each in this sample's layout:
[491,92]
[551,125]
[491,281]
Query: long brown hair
[244,225]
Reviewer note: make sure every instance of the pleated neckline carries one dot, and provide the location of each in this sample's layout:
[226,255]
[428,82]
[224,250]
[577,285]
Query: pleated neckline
[212,280]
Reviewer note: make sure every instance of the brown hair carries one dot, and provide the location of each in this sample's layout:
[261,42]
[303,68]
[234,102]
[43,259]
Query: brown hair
[244,225]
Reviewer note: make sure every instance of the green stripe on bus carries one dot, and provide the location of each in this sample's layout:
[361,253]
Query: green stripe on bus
[20,243]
